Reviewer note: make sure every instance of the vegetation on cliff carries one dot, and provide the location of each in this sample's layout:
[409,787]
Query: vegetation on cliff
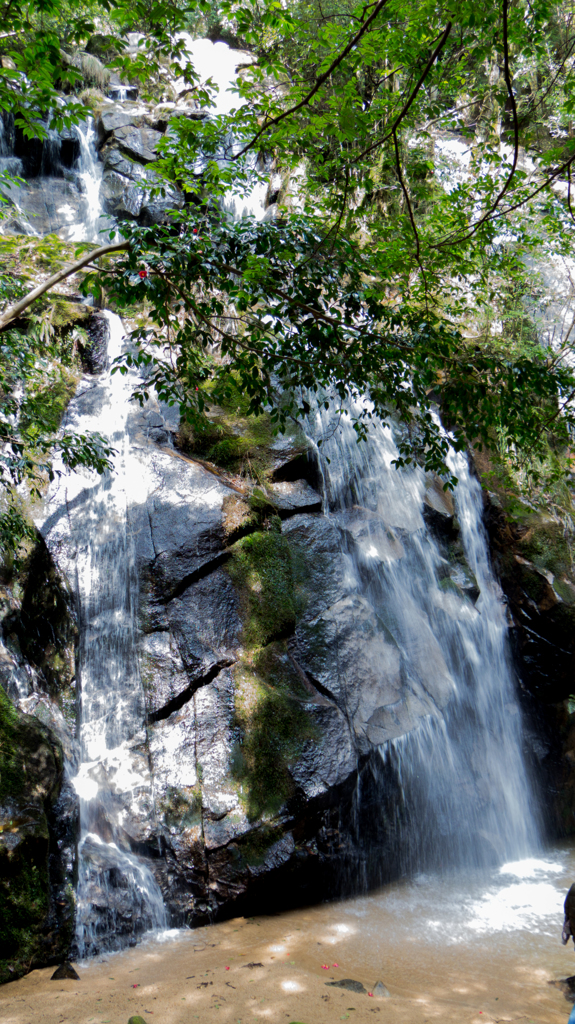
[387,270]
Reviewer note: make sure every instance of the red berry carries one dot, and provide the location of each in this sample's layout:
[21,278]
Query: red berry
[143,274]
[195,231]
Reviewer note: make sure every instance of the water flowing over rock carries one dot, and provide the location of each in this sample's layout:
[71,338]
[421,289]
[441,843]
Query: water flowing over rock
[447,721]
[61,190]
[355,652]
[276,704]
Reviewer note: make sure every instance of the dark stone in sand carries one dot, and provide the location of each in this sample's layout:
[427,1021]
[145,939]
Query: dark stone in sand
[567,986]
[65,970]
[349,983]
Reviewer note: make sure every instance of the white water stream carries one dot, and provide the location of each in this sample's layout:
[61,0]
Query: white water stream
[453,734]
[113,775]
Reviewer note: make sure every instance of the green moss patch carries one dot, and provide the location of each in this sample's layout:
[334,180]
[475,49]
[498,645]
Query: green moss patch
[46,403]
[11,764]
[31,766]
[545,545]
[181,807]
[261,569]
[240,445]
[234,439]
[253,850]
[25,900]
[274,724]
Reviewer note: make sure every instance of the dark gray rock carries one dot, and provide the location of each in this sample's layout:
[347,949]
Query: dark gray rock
[439,509]
[341,642]
[65,972]
[350,985]
[37,913]
[94,352]
[114,160]
[294,496]
[121,197]
[187,531]
[113,118]
[49,205]
[206,624]
[137,143]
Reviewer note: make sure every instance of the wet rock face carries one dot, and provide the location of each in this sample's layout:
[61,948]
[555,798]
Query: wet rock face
[542,605]
[250,760]
[533,566]
[95,352]
[128,141]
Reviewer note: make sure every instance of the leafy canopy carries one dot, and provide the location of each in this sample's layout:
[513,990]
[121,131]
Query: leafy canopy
[389,269]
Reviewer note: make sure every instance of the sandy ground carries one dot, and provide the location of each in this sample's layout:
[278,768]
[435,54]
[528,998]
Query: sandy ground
[276,969]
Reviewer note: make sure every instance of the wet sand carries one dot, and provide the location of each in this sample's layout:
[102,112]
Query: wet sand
[276,969]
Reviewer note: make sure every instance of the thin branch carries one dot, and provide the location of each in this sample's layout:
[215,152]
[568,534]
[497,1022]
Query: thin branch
[452,240]
[569,204]
[510,176]
[407,199]
[412,97]
[318,82]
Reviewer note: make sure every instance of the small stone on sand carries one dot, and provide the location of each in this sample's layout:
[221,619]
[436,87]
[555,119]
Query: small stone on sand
[349,983]
[65,970]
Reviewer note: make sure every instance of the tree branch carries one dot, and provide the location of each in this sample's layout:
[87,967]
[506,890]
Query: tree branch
[19,307]
[411,98]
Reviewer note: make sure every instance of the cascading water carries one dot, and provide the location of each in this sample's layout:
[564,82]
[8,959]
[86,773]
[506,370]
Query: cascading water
[452,739]
[90,220]
[117,896]
[54,186]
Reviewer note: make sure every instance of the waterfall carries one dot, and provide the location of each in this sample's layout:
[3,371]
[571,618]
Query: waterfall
[90,221]
[452,740]
[58,186]
[117,895]
[450,745]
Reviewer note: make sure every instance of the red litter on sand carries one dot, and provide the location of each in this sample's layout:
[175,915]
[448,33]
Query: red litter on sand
[135,986]
[370,993]
[227,968]
[335,965]
[325,967]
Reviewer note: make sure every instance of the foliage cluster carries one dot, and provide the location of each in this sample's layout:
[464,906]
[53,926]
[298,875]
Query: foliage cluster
[398,266]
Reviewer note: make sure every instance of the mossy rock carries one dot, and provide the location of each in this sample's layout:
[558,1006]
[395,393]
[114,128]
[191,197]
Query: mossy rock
[261,569]
[545,545]
[104,47]
[275,725]
[31,768]
[254,848]
[181,807]
[45,627]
